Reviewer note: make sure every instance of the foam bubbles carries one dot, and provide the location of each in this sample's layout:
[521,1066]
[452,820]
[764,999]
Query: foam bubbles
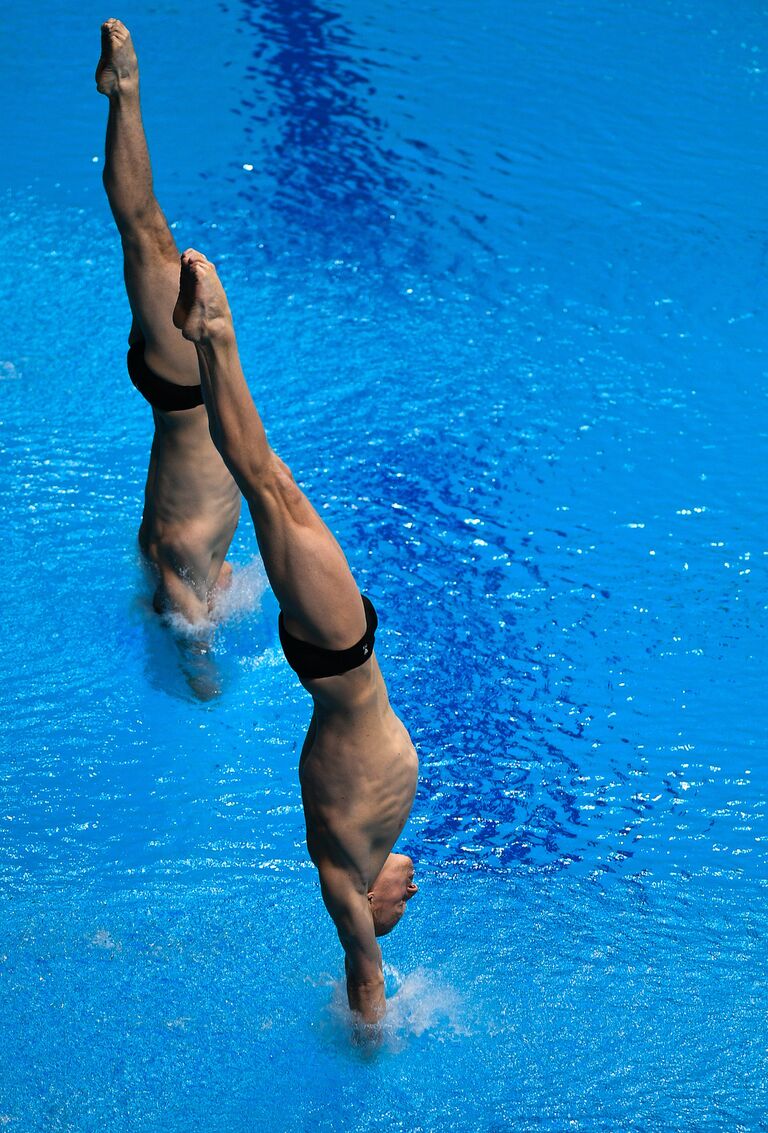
[418,1004]
[196,650]
[243,595]
[421,1003]
[186,630]
[241,598]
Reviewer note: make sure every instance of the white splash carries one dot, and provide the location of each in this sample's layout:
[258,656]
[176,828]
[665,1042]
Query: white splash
[196,632]
[242,597]
[418,1003]
[102,938]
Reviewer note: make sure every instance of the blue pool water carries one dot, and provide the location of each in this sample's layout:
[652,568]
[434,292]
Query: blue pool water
[498,272]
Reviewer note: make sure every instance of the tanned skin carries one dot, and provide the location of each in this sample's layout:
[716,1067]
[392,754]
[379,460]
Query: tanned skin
[358,766]
[191,502]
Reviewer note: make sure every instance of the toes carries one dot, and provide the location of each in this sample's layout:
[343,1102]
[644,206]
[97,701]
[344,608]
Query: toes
[114,32]
[191,256]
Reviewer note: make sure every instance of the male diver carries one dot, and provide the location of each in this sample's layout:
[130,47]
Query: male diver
[358,767]
[191,503]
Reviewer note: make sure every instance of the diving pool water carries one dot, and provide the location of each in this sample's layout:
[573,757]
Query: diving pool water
[498,272]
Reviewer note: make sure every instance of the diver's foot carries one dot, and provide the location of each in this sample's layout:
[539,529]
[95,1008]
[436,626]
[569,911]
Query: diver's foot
[202,311]
[118,69]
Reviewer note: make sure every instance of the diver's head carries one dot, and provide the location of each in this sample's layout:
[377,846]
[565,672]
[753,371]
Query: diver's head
[390,891]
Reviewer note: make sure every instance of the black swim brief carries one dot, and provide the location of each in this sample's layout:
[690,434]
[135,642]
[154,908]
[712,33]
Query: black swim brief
[310,661]
[159,392]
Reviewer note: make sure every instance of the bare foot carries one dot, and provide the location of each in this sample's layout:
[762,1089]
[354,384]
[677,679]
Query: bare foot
[201,310]
[118,67]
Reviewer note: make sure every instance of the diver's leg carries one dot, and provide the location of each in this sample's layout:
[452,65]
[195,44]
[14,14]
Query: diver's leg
[305,565]
[150,256]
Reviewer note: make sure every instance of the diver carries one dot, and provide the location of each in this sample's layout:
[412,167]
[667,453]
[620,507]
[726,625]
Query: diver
[358,767]
[191,502]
